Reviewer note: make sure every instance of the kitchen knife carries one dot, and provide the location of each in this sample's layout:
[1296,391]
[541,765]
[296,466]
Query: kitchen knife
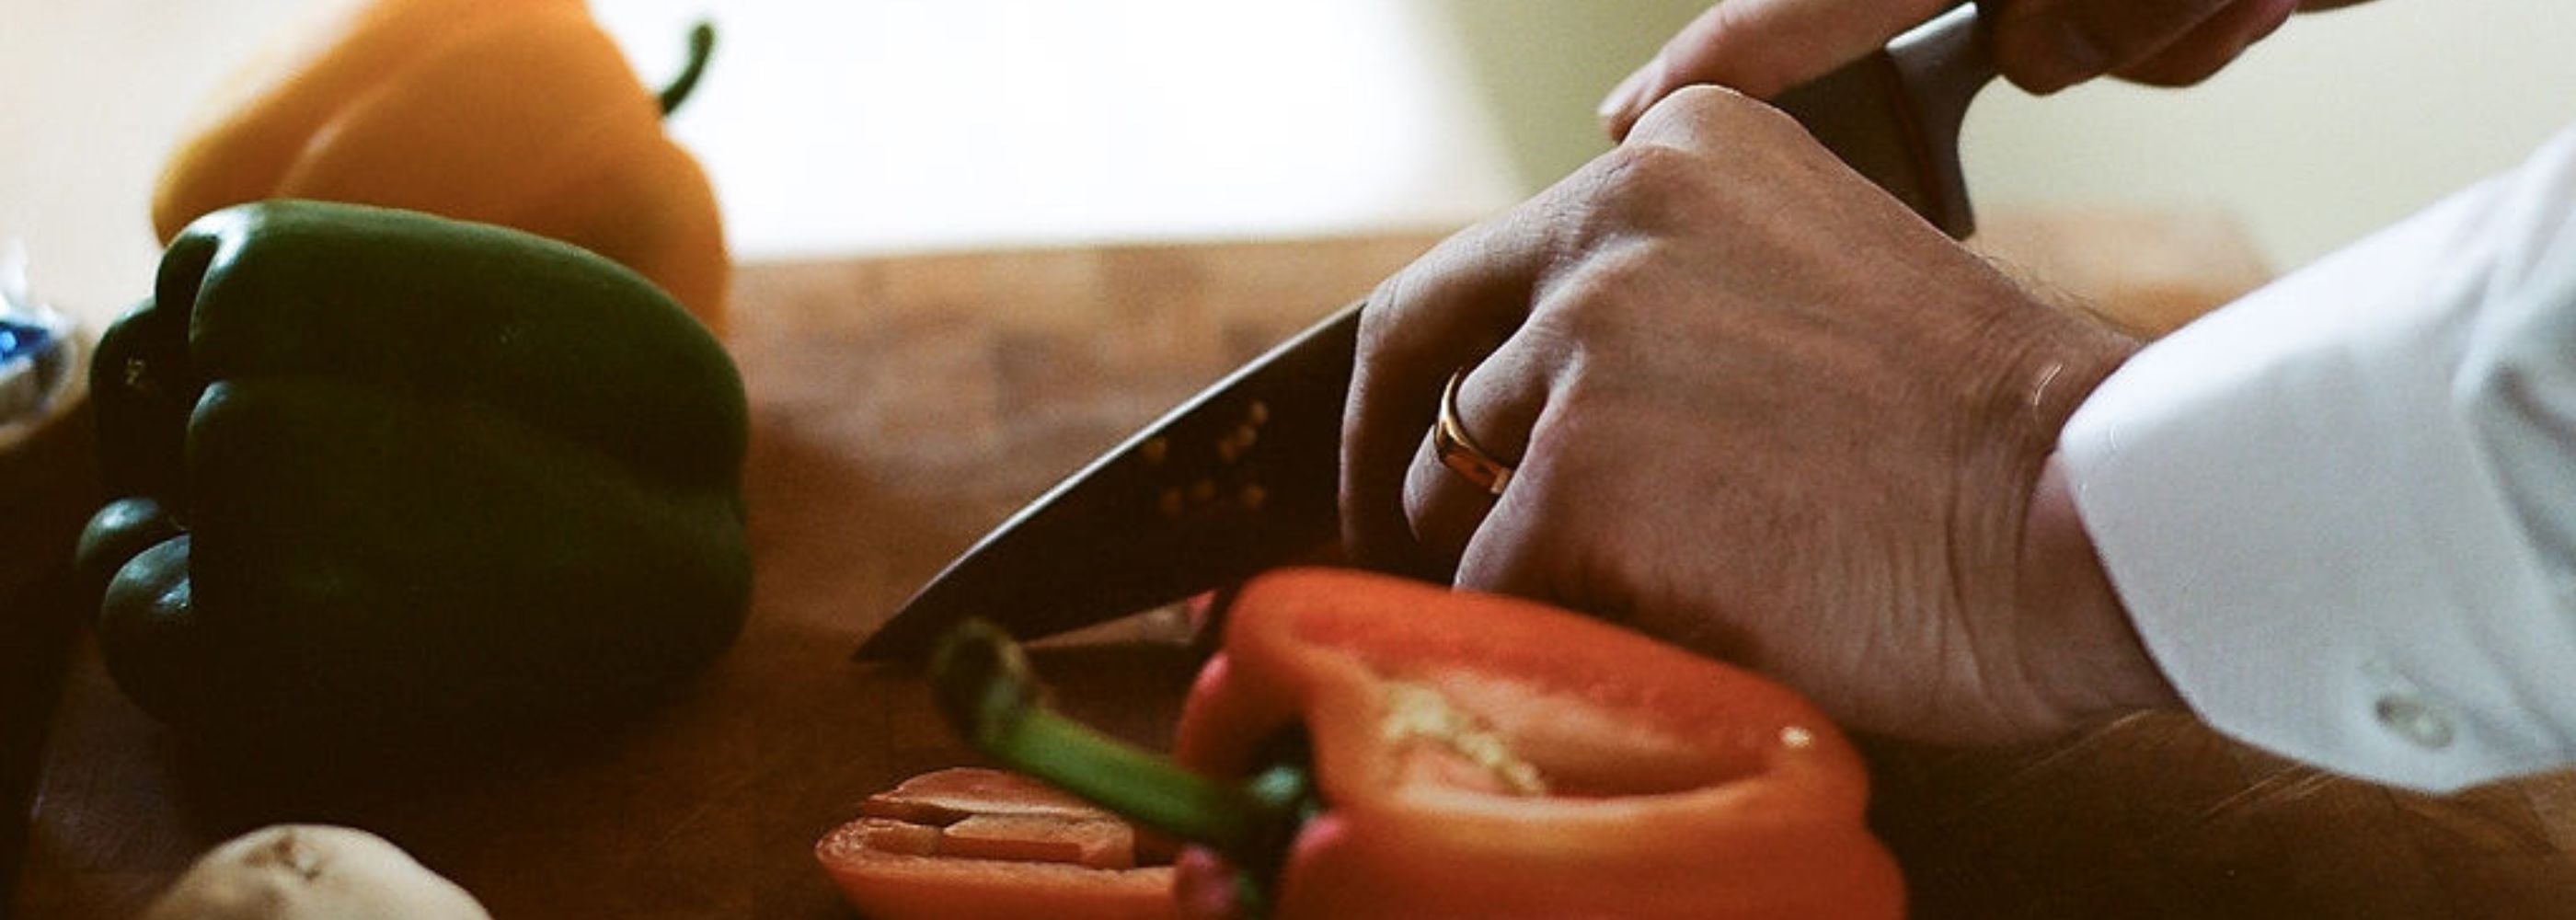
[1244,476]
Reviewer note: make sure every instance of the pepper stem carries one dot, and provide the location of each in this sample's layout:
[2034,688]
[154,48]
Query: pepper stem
[989,693]
[702,42]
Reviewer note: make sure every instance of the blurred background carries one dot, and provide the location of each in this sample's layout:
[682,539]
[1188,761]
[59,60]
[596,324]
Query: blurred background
[883,126]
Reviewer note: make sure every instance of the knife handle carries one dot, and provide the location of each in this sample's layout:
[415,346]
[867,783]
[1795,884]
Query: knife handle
[1946,61]
[1894,116]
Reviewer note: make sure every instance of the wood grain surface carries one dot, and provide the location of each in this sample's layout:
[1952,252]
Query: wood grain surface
[902,406]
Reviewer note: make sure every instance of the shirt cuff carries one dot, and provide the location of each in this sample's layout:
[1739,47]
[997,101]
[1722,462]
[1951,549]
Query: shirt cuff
[2297,518]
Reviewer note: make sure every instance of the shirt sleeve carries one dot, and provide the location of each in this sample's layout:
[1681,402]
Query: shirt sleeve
[2342,511]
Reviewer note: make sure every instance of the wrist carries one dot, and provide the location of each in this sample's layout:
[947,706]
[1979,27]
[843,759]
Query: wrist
[2077,643]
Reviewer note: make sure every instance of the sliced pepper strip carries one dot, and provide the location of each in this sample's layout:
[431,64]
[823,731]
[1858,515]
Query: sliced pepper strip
[1487,756]
[969,844]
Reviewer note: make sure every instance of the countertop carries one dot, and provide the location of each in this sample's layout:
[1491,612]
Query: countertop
[904,405]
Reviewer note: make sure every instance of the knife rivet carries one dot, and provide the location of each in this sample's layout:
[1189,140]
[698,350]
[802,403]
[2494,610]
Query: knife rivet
[1154,450]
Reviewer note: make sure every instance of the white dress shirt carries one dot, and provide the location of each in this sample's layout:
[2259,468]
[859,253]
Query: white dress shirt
[2342,511]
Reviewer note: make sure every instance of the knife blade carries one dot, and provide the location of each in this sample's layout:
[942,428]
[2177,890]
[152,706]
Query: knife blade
[1244,476]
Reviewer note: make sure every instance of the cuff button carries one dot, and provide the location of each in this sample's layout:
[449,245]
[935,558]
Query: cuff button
[2414,720]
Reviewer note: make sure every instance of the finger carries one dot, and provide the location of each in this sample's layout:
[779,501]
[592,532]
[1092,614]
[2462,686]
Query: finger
[2048,45]
[1439,314]
[2210,46]
[1760,47]
[1538,539]
[1496,404]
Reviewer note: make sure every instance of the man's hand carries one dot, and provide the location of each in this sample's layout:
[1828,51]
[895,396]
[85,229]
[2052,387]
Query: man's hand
[1761,47]
[1759,409]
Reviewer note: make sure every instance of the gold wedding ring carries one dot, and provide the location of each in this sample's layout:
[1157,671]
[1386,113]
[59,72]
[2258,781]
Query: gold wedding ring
[1459,452]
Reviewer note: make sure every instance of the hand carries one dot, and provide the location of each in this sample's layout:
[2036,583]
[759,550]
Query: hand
[1764,46]
[1758,409]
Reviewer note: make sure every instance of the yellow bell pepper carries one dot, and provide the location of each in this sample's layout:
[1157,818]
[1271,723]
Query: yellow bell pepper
[521,113]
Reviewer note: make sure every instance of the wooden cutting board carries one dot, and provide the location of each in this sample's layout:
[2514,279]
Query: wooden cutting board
[903,406]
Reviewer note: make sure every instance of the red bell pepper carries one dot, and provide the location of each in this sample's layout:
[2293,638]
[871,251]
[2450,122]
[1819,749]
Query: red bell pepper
[973,844]
[1367,747]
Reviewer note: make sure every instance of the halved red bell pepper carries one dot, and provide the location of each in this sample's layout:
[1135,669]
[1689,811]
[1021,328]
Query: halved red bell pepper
[974,844]
[1470,755]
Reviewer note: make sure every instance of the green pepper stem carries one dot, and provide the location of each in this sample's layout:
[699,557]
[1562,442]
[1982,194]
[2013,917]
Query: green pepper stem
[990,695]
[702,42]
[1148,789]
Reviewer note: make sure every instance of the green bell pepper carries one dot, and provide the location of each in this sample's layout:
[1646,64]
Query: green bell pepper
[381,471]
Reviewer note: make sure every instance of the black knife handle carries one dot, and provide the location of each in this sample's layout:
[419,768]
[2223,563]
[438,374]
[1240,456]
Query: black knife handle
[1894,116]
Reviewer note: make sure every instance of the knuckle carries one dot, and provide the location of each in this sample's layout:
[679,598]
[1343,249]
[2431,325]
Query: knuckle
[1661,179]
[1648,188]
[1705,115]
[1653,169]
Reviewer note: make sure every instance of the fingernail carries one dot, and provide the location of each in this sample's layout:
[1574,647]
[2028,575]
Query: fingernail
[1617,101]
[1631,95]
